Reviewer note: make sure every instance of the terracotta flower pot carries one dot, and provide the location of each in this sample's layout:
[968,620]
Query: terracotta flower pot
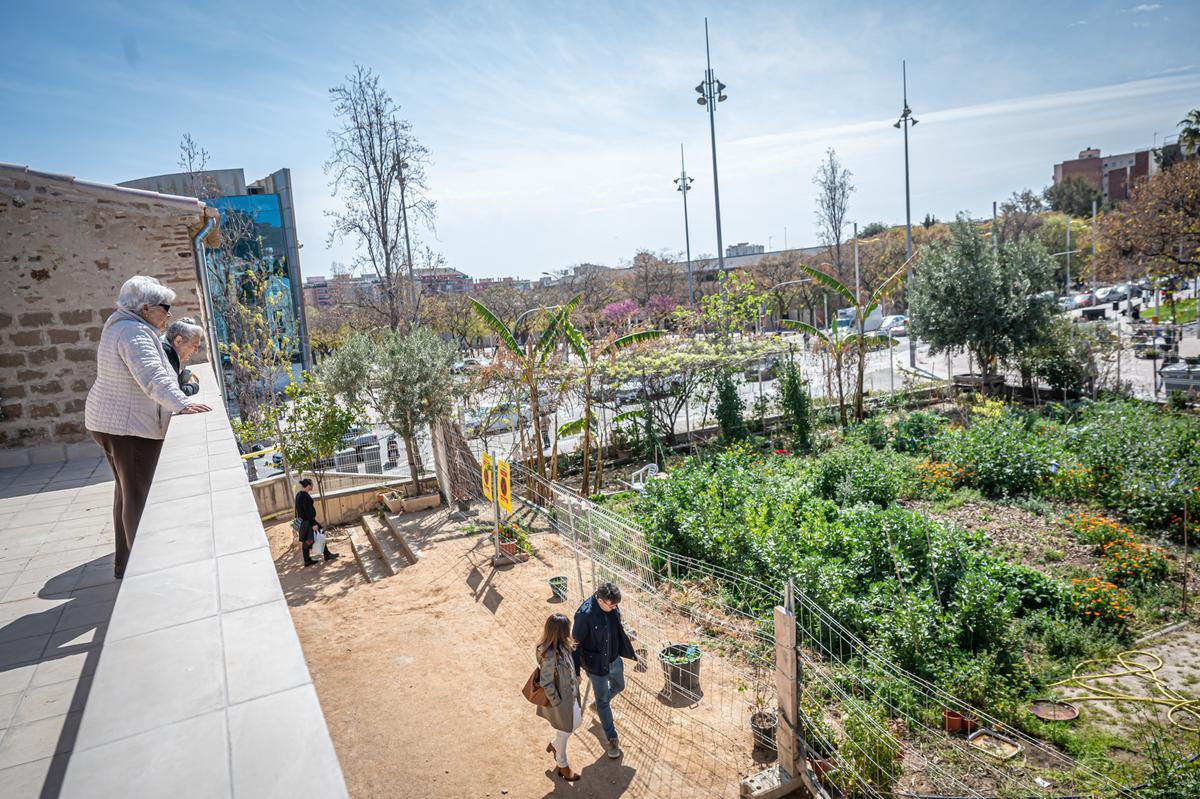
[508,548]
[952,721]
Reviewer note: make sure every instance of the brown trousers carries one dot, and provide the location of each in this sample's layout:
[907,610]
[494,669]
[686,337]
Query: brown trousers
[133,460]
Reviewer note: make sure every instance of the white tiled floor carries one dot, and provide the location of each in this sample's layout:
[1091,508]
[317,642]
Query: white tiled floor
[56,595]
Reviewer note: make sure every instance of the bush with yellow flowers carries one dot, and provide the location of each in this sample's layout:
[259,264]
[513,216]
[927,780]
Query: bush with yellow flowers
[1129,563]
[1100,601]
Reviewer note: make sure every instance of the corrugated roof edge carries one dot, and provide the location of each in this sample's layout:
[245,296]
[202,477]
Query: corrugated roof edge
[148,195]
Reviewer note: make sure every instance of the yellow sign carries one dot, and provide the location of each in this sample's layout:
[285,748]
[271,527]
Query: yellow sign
[504,485]
[485,474]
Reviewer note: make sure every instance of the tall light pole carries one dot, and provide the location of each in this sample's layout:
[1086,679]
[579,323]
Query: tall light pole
[711,92]
[401,164]
[905,121]
[683,184]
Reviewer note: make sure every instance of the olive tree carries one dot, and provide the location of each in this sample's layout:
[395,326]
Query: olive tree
[966,293]
[404,380]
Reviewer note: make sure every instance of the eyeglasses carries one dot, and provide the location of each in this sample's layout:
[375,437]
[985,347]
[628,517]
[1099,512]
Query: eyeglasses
[165,306]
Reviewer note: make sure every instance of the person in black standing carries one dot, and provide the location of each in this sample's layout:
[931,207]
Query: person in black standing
[306,512]
[600,643]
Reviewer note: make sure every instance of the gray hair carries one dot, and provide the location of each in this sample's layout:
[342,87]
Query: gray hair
[185,327]
[142,290]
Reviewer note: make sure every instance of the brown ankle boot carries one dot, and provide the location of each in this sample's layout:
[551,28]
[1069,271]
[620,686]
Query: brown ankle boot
[567,774]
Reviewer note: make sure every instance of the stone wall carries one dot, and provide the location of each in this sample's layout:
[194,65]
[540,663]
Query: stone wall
[66,246]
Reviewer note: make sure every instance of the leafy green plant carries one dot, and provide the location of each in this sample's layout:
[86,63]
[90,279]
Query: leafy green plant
[797,407]
[999,454]
[1099,601]
[1133,564]
[913,432]
[873,753]
[729,409]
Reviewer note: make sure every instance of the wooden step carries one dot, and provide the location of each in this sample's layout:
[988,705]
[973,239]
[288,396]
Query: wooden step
[383,543]
[396,528]
[368,561]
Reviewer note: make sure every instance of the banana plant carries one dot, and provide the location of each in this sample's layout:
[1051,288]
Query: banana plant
[529,358]
[857,341]
[590,356]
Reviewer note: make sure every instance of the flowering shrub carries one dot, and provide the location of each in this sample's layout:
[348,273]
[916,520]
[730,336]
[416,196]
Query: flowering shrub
[1073,482]
[938,479]
[1129,563]
[1100,601]
[1100,531]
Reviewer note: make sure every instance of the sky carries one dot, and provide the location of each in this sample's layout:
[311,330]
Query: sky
[555,128]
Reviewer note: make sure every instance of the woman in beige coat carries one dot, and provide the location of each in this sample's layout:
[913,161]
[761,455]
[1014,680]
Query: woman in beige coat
[561,683]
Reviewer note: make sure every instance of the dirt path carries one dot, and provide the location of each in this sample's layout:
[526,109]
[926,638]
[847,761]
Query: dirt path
[419,677]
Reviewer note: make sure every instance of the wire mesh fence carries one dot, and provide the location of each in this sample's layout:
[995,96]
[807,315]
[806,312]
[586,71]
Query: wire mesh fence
[705,639]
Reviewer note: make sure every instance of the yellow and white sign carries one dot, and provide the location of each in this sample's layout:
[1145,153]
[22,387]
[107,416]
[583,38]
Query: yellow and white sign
[485,474]
[504,485]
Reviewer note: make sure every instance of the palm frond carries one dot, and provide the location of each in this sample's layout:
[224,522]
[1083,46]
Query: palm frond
[804,327]
[633,338]
[497,326]
[829,281]
[625,416]
[575,339]
[574,427]
[887,286]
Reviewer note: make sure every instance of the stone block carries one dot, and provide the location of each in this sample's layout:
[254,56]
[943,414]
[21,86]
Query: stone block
[14,410]
[53,387]
[73,406]
[11,359]
[27,338]
[80,356]
[12,392]
[45,355]
[29,375]
[36,319]
[43,410]
[5,320]
[78,317]
[93,333]
[60,335]
[69,430]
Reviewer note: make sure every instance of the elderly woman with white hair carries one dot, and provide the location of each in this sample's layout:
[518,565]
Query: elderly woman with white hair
[181,341]
[130,404]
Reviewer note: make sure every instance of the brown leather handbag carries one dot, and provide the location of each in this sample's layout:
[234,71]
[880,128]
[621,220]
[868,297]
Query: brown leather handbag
[533,691]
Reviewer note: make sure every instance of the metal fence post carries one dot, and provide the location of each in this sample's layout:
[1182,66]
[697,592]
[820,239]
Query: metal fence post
[575,546]
[496,507]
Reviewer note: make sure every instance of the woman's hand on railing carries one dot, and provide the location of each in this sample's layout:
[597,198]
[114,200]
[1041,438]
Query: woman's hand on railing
[196,407]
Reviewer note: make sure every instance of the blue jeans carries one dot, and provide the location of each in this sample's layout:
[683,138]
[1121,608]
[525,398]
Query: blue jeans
[605,688]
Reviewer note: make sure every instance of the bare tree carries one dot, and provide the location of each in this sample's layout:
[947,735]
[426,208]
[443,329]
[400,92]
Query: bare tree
[378,167]
[833,202]
[193,159]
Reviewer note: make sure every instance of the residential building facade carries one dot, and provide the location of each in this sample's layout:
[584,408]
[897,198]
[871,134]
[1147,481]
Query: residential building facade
[1112,175]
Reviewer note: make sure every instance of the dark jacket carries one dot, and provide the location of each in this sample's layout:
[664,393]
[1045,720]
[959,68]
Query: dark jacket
[592,648]
[306,512]
[188,388]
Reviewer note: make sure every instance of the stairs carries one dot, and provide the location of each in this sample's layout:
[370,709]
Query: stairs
[380,547]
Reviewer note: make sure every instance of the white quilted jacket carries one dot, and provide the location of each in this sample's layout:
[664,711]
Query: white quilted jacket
[136,390]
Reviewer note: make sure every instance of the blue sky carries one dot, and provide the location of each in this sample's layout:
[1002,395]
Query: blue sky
[555,127]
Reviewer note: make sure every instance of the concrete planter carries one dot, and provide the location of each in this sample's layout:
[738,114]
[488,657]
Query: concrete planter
[423,502]
[395,503]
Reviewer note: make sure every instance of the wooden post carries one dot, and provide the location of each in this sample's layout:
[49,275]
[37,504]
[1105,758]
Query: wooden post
[496,509]
[789,737]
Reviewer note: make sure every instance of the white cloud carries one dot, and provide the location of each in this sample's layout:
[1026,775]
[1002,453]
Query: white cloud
[1143,8]
[1077,23]
[1171,71]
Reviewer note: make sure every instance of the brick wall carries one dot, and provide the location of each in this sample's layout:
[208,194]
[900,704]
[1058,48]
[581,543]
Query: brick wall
[66,247]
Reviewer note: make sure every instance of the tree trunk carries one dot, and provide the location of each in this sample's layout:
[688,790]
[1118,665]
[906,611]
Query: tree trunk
[862,367]
[320,475]
[587,432]
[413,468]
[837,364]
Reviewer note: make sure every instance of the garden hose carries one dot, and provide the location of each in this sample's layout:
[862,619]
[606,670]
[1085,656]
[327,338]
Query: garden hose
[1178,705]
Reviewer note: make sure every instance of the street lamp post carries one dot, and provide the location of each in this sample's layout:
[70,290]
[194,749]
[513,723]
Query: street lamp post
[905,121]
[683,184]
[711,92]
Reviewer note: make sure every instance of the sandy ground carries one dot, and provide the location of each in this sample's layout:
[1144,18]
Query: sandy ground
[419,676]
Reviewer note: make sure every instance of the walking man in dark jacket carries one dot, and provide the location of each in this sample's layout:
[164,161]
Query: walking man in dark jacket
[600,643]
[306,512]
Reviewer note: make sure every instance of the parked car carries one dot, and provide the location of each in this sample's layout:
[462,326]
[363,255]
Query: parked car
[496,419]
[896,325]
[1084,299]
[1067,303]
